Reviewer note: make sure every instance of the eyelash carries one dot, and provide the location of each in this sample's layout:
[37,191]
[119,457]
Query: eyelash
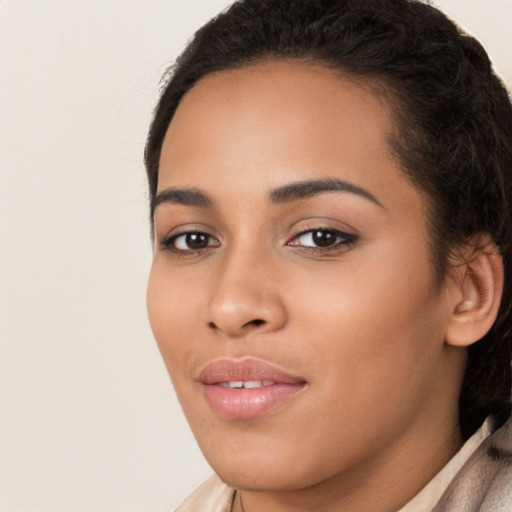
[342,240]
[169,243]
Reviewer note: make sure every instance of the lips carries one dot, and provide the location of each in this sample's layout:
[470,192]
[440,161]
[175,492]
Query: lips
[247,388]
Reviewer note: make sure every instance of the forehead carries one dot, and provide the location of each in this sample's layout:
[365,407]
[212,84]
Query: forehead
[271,123]
[276,105]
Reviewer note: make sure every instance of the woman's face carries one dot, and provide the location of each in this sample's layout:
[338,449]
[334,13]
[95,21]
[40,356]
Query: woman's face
[291,293]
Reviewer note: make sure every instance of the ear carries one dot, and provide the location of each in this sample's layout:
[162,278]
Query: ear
[480,286]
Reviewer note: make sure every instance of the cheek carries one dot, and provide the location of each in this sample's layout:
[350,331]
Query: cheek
[373,324]
[174,314]
[386,287]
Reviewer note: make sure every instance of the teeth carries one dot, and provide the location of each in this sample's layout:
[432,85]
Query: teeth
[253,384]
[248,384]
[233,384]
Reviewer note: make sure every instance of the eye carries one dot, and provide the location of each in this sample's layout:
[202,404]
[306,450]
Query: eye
[190,242]
[323,239]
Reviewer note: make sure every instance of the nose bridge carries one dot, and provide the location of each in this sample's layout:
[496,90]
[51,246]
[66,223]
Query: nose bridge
[246,294]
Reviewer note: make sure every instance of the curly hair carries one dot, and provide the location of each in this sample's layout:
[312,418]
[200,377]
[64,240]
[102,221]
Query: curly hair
[453,118]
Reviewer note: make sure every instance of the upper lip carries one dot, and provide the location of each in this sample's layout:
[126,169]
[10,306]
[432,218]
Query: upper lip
[245,369]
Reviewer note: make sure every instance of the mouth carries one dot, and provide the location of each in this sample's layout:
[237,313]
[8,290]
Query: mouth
[247,388]
[247,384]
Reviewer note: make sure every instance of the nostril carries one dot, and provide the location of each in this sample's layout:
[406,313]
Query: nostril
[257,322]
[252,323]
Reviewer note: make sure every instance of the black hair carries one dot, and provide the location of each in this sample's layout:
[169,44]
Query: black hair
[453,118]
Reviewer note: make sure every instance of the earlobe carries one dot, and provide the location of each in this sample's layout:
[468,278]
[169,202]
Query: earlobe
[478,301]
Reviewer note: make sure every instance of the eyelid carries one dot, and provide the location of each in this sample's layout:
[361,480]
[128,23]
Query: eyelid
[347,237]
[165,241]
[323,223]
[347,233]
[168,230]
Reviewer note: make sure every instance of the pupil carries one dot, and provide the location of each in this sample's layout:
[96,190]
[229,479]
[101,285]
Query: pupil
[197,240]
[324,238]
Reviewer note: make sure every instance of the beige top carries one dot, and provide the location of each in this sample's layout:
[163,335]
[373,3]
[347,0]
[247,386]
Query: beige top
[215,496]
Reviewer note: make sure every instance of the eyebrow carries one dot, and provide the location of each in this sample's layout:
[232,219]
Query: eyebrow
[286,193]
[184,196]
[311,188]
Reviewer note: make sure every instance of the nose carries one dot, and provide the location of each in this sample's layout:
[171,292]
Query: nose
[246,297]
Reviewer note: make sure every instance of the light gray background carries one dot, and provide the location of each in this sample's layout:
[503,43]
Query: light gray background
[88,421]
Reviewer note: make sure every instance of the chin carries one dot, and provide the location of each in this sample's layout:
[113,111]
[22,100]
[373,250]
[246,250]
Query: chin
[260,480]
[266,470]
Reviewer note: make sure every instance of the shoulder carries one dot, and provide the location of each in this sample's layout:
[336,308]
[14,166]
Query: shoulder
[485,482]
[212,496]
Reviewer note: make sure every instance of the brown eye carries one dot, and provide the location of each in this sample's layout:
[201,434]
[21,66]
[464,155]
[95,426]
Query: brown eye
[323,238]
[192,241]
[318,239]
[196,240]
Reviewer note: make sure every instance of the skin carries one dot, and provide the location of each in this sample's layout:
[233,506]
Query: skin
[364,323]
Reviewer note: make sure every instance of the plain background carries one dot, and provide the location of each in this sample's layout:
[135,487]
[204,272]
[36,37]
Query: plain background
[88,421]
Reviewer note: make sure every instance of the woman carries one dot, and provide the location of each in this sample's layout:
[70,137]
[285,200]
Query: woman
[330,193]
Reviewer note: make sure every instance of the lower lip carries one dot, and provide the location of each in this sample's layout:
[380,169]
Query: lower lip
[241,403]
